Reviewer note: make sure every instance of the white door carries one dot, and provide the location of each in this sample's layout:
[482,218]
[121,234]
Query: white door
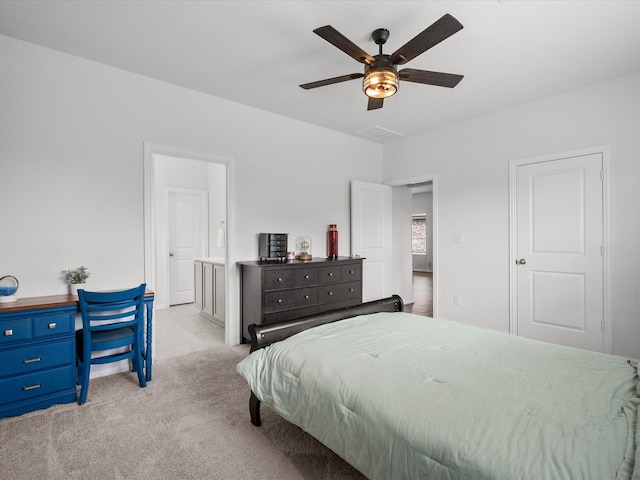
[187,239]
[559,251]
[371,237]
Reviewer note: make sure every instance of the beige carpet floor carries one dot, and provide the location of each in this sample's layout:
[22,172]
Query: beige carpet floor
[191,422]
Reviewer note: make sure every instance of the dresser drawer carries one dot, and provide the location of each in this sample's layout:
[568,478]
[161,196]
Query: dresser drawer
[338,293]
[288,299]
[15,330]
[278,279]
[304,277]
[37,384]
[37,357]
[351,272]
[332,274]
[47,325]
[289,314]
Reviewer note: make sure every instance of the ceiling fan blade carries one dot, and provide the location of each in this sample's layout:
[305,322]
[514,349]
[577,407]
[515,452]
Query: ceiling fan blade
[375,103]
[331,81]
[440,30]
[430,78]
[335,38]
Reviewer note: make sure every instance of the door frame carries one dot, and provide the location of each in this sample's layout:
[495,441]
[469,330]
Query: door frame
[433,178]
[513,275]
[203,196]
[232,295]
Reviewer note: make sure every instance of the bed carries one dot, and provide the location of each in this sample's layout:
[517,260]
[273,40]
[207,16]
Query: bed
[401,396]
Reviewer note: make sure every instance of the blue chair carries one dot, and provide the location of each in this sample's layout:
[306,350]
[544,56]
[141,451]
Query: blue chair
[110,320]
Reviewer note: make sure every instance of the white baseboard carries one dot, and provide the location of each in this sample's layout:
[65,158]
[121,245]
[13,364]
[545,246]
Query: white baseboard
[109,369]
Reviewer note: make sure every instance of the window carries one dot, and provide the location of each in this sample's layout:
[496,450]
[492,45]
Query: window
[419,234]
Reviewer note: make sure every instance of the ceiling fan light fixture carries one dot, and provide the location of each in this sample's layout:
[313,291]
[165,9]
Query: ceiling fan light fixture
[380,82]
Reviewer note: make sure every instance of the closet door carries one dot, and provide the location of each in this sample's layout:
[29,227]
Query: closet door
[559,251]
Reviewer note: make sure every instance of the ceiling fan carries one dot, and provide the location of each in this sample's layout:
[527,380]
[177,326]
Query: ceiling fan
[381,76]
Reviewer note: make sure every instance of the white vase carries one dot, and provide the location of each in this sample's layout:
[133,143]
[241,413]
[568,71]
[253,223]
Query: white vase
[73,288]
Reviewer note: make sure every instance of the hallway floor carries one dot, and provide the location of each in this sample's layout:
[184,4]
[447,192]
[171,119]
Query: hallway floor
[181,329]
[422,294]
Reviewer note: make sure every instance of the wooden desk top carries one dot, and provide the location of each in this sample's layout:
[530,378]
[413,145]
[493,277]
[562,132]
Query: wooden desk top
[32,303]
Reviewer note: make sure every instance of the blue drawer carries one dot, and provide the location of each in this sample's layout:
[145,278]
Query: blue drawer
[37,357]
[47,325]
[37,384]
[15,330]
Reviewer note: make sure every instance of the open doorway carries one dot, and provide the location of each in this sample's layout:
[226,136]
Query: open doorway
[192,175]
[416,275]
[422,248]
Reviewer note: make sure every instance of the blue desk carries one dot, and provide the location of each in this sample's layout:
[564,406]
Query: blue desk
[38,352]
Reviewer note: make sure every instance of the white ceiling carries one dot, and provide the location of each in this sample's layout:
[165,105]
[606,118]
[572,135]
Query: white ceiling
[258,52]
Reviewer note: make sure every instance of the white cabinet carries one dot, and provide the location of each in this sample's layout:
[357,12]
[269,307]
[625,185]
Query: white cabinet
[197,283]
[219,293]
[210,289]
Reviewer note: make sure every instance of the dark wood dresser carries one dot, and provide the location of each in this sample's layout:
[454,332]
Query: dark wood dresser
[272,292]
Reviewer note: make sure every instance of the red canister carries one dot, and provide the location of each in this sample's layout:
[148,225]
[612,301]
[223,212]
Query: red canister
[332,242]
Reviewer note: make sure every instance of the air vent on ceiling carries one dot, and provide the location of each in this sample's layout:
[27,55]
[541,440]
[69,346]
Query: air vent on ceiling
[379,134]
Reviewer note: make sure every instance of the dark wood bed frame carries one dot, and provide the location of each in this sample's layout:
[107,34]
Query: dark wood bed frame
[263,335]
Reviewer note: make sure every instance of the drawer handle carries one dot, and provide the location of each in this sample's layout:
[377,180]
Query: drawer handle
[279,279]
[279,300]
[351,289]
[331,274]
[329,293]
[351,272]
[306,277]
[306,297]
[8,333]
[52,326]
[32,360]
[31,387]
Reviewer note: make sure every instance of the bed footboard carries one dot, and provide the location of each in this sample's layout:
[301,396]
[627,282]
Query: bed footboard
[263,335]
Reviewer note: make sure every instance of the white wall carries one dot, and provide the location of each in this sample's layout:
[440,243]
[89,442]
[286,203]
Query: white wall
[471,159]
[217,208]
[71,167]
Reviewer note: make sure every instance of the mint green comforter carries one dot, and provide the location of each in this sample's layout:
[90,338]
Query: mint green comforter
[401,396]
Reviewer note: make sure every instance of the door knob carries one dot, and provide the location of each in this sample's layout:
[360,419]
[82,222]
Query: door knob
[522,261]
[171,254]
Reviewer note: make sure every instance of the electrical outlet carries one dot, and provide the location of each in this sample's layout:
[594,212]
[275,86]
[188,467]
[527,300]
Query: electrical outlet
[457,299]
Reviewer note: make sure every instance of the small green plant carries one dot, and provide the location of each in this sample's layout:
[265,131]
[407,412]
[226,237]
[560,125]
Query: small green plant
[75,276]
